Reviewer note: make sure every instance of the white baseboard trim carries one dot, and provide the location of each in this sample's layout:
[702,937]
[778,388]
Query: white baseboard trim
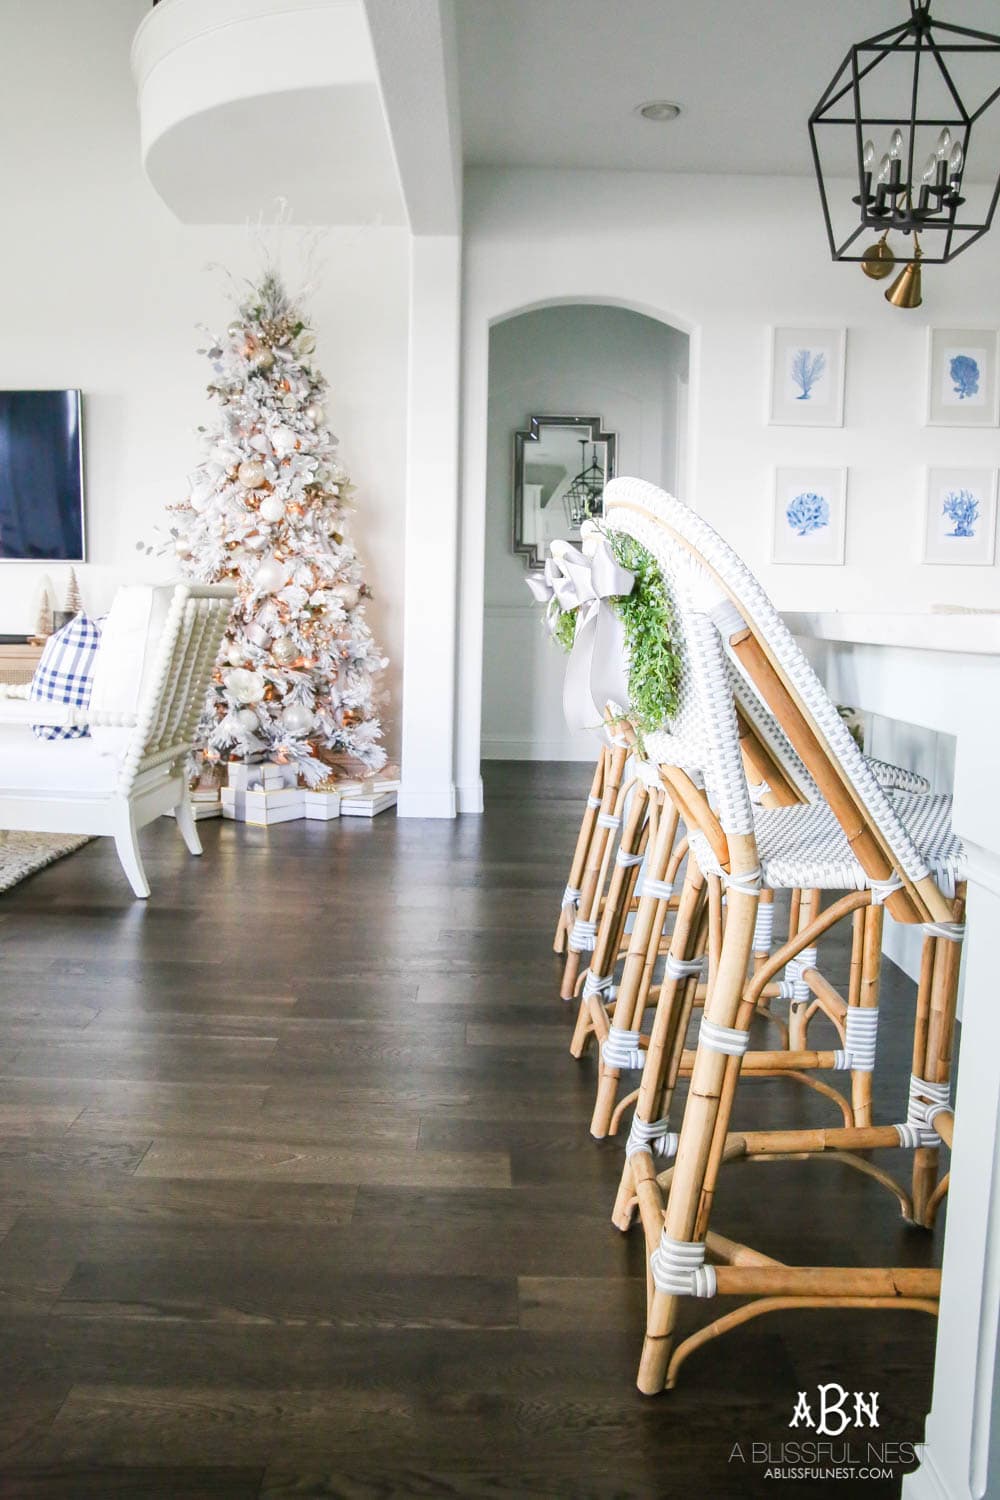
[470,798]
[501,747]
[926,1483]
[436,804]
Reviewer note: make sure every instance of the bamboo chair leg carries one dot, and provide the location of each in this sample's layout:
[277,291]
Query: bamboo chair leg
[620,888]
[637,975]
[666,1042]
[807,909]
[567,911]
[936,1062]
[707,1107]
[868,991]
[591,889]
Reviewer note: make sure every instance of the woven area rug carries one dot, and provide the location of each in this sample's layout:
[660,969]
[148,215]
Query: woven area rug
[21,854]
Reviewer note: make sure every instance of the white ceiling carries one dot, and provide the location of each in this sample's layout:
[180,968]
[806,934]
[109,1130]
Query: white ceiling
[553,83]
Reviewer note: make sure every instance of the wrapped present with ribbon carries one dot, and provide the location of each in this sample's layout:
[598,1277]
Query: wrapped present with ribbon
[587,579]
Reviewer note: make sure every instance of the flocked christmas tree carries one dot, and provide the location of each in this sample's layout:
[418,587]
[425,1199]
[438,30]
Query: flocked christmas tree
[266,511]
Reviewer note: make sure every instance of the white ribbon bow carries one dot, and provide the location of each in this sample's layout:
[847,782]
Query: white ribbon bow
[586,581]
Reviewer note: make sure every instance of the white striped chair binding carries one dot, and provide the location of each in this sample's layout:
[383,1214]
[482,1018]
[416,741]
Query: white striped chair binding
[897,861]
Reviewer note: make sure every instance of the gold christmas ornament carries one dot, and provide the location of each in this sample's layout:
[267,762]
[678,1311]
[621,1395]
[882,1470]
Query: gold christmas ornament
[251,474]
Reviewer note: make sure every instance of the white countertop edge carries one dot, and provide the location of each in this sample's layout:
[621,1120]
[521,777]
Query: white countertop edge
[972,634]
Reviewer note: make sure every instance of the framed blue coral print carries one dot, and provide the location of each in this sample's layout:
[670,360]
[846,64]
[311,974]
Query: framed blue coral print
[806,377]
[810,508]
[961,520]
[962,377]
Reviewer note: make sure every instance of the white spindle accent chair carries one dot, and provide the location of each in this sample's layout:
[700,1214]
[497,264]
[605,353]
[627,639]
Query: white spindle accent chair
[890,851]
[159,647]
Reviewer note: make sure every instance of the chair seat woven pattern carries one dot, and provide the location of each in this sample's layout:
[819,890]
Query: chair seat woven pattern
[806,846]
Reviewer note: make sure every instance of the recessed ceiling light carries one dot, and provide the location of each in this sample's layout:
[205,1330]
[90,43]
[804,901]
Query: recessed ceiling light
[660,110]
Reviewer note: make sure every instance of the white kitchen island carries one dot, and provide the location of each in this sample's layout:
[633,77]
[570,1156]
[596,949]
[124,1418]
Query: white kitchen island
[942,672]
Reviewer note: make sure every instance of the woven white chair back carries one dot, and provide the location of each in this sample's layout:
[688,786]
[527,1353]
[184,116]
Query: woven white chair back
[729,596]
[174,694]
[770,733]
[702,738]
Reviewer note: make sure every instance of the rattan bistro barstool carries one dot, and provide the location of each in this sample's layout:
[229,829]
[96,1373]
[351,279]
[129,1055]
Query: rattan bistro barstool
[890,853]
[614,1016]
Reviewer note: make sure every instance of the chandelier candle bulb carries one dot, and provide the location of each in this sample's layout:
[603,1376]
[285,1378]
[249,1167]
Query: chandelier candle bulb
[928,179]
[884,167]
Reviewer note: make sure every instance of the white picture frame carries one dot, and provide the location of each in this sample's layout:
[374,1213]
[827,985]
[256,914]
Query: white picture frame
[962,385]
[808,516]
[805,380]
[960,516]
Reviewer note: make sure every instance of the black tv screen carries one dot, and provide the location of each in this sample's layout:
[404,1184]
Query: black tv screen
[41,476]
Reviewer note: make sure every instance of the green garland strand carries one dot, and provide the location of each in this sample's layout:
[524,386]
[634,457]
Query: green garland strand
[654,670]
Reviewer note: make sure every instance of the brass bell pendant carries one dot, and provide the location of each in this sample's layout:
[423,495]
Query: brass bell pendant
[905,290]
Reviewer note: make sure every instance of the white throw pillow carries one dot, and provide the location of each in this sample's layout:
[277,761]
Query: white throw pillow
[130,642]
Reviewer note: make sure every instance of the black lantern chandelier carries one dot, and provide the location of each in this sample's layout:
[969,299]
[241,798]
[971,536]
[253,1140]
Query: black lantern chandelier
[917,90]
[582,500]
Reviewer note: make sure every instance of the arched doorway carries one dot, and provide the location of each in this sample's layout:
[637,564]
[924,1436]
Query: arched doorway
[566,358]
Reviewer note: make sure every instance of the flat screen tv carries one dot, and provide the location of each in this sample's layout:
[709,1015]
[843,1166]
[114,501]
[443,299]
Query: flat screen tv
[41,477]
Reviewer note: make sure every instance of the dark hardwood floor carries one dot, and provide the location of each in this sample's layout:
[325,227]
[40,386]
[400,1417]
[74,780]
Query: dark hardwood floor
[297,1196]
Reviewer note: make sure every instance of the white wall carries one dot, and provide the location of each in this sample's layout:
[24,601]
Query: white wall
[104,289]
[723,258]
[585,360]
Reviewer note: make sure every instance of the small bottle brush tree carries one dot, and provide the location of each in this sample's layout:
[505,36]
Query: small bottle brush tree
[266,512]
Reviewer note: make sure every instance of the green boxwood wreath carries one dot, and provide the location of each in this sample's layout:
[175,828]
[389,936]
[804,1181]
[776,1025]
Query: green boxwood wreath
[654,670]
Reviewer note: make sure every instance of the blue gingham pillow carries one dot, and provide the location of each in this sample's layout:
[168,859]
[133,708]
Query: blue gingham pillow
[64,674]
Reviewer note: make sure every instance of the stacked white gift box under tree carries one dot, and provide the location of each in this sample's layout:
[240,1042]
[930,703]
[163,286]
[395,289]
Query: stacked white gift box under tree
[269,793]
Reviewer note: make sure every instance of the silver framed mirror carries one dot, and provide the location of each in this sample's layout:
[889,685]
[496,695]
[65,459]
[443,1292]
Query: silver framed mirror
[561,467]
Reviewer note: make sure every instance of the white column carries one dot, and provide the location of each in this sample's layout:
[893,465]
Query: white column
[960,1459]
[431,555]
[952,687]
